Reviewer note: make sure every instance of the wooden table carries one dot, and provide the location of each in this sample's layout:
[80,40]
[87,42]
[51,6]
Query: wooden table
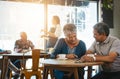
[65,65]
[15,55]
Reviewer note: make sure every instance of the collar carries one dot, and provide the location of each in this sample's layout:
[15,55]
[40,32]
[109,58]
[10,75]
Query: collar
[106,41]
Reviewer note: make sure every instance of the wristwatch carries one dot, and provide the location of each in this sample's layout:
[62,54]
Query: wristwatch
[92,55]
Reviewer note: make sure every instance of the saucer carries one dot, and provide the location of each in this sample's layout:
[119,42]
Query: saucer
[61,58]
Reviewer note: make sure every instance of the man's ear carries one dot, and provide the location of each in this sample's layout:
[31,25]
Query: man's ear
[103,34]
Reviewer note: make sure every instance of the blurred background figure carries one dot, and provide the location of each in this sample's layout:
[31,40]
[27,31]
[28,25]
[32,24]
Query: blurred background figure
[54,32]
[22,45]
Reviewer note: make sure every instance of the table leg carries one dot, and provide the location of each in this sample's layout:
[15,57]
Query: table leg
[45,73]
[4,67]
[51,73]
[89,72]
[75,70]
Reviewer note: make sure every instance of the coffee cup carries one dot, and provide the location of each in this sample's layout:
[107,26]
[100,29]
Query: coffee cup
[62,56]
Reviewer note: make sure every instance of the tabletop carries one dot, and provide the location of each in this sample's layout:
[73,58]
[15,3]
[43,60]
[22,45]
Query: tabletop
[69,62]
[69,65]
[15,55]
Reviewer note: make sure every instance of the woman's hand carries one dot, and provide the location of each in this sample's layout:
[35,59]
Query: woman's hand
[71,56]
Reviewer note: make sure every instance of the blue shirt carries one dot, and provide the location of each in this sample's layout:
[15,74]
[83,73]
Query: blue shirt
[62,48]
[1,50]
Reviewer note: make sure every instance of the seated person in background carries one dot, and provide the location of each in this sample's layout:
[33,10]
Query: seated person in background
[13,67]
[105,48]
[72,47]
[54,33]
[22,45]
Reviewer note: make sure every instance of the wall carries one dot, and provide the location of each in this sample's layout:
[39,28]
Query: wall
[116,30]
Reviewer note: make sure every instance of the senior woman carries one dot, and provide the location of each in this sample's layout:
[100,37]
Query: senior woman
[72,47]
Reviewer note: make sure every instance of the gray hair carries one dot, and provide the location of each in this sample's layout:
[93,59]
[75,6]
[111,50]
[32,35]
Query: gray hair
[69,28]
[102,28]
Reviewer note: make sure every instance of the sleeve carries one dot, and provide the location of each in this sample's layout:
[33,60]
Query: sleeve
[16,44]
[31,44]
[57,48]
[81,49]
[115,46]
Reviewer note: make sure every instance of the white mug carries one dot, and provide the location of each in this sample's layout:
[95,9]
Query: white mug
[61,56]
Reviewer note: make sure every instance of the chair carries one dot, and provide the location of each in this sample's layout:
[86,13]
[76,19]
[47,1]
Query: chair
[35,63]
[0,66]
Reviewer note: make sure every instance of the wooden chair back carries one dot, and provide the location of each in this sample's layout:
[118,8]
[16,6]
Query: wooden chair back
[35,59]
[35,67]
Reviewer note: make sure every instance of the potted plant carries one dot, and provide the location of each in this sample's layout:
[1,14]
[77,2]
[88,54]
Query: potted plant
[108,4]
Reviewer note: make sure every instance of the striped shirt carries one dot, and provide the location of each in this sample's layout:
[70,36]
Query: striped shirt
[111,44]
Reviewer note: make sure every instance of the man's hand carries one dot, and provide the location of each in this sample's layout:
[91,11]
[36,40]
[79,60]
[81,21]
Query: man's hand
[86,58]
[18,50]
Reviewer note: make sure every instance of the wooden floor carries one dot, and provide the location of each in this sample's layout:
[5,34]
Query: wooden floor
[85,77]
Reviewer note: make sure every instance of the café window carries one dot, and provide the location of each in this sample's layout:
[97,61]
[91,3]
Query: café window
[84,15]
[29,17]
